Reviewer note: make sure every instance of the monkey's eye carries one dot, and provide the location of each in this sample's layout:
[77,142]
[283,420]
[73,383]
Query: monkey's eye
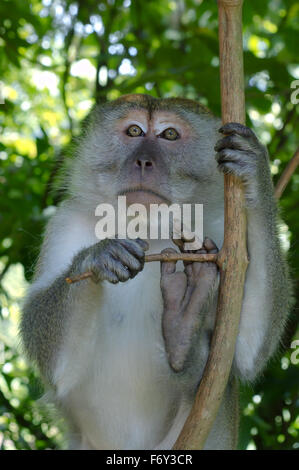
[135,131]
[170,134]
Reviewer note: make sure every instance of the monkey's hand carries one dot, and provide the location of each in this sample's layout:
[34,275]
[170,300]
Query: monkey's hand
[240,153]
[111,260]
[185,295]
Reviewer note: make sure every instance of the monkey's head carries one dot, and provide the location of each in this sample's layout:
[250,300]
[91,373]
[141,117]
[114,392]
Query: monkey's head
[150,150]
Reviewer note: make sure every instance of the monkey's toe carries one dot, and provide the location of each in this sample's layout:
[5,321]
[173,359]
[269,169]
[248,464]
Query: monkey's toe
[210,246]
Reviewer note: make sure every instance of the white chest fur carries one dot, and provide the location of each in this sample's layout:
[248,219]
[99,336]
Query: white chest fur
[117,384]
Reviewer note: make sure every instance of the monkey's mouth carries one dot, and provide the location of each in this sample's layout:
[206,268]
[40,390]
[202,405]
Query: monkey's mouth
[144,196]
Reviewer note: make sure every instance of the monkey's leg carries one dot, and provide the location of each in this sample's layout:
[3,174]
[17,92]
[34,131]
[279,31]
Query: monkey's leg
[185,296]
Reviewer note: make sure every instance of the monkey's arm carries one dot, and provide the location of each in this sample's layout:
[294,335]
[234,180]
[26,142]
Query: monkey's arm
[50,304]
[43,324]
[268,293]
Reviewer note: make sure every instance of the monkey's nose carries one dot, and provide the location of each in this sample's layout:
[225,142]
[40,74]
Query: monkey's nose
[143,164]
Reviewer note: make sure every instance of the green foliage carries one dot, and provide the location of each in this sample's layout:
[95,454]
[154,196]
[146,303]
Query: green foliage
[51,53]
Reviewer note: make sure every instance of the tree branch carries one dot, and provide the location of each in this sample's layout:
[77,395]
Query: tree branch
[287,174]
[233,255]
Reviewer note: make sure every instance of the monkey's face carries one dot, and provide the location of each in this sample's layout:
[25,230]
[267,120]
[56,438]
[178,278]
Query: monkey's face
[150,150]
[152,144]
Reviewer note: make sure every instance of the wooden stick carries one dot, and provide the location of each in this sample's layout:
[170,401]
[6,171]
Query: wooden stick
[80,277]
[182,257]
[233,256]
[287,174]
[158,257]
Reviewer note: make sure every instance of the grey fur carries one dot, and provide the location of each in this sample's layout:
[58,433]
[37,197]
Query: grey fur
[76,333]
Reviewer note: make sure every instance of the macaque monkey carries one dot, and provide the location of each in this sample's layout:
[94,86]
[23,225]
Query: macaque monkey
[124,351]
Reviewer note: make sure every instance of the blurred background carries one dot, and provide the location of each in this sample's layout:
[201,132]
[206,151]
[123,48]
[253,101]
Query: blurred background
[57,57]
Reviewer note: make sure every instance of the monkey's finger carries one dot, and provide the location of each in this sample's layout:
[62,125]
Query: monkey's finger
[210,246]
[120,253]
[135,248]
[239,157]
[233,142]
[122,272]
[143,243]
[236,128]
[106,275]
[168,267]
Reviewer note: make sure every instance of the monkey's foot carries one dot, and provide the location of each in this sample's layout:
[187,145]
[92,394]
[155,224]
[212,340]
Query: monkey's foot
[185,296]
